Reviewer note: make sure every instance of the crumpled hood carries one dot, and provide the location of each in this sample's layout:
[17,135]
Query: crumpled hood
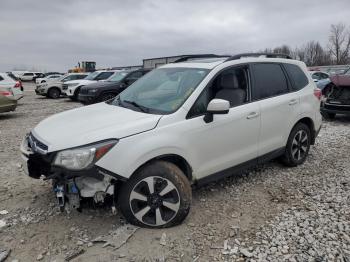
[91,124]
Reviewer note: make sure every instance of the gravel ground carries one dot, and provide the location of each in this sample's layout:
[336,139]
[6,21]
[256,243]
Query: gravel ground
[269,213]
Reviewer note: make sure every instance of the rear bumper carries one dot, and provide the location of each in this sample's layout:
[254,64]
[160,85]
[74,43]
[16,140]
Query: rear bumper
[7,104]
[8,108]
[335,109]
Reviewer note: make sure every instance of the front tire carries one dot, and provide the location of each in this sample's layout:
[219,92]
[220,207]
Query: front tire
[54,93]
[157,196]
[298,145]
[76,94]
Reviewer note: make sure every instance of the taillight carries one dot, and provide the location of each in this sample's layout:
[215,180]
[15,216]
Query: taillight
[6,93]
[18,84]
[318,93]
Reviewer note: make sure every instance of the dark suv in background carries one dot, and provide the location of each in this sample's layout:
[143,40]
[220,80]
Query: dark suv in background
[103,91]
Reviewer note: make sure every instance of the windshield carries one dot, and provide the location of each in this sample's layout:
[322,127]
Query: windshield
[117,76]
[92,76]
[162,90]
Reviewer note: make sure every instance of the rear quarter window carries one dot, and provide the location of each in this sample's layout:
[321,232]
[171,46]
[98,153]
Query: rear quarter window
[297,76]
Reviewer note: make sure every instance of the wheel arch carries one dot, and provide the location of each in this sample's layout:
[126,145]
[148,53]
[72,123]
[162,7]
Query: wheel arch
[175,159]
[310,124]
[54,87]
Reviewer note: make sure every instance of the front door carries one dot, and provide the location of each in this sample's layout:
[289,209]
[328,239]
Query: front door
[230,139]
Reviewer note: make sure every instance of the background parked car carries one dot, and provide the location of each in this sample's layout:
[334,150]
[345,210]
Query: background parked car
[72,88]
[337,96]
[30,76]
[47,78]
[6,81]
[15,78]
[53,89]
[44,75]
[7,100]
[320,78]
[103,91]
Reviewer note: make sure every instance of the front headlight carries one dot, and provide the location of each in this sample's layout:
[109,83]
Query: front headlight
[83,157]
[71,85]
[92,90]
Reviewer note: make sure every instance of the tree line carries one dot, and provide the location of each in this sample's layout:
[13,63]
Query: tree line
[337,52]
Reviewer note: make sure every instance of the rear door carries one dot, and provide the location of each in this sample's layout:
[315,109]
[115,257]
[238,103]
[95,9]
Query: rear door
[279,106]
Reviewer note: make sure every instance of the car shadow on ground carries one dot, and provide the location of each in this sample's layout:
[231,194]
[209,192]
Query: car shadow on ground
[10,115]
[339,119]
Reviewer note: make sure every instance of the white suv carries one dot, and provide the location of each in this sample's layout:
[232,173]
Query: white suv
[181,124]
[53,89]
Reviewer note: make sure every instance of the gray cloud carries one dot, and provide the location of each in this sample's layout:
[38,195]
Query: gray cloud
[55,35]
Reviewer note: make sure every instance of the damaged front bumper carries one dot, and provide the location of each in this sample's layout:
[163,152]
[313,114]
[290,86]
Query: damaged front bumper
[69,186]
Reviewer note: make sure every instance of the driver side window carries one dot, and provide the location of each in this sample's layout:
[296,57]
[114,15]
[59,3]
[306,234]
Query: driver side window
[231,85]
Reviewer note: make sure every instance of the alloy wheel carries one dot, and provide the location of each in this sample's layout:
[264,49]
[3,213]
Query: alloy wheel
[154,201]
[300,145]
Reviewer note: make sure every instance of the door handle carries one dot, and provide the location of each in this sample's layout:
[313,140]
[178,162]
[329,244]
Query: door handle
[252,115]
[293,102]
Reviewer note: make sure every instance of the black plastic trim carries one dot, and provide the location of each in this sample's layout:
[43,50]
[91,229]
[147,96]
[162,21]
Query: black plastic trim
[267,55]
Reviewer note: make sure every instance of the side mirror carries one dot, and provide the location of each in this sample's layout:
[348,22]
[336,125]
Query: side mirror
[216,106]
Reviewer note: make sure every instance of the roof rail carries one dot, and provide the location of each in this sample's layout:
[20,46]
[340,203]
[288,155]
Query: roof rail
[188,57]
[267,55]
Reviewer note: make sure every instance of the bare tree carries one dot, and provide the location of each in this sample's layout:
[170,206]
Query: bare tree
[339,43]
[314,53]
[284,49]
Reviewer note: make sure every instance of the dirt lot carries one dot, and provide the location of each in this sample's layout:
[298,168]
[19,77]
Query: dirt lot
[270,213]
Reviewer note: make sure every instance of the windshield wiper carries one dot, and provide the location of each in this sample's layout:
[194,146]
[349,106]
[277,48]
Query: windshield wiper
[142,108]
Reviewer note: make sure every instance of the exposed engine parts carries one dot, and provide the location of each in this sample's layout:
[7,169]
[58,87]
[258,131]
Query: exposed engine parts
[70,193]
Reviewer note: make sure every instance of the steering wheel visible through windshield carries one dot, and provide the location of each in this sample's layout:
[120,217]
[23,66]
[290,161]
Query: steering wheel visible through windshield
[161,91]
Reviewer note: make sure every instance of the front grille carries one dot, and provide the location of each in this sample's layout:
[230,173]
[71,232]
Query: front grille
[83,91]
[64,87]
[36,145]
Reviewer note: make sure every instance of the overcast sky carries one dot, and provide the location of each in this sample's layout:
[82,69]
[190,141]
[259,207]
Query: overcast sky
[55,35]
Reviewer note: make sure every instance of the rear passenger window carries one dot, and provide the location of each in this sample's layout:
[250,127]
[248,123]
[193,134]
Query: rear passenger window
[269,81]
[297,76]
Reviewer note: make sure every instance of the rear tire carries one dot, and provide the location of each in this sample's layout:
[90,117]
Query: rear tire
[298,145]
[54,93]
[157,196]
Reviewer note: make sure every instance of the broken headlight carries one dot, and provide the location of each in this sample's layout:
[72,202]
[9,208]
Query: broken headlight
[83,157]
